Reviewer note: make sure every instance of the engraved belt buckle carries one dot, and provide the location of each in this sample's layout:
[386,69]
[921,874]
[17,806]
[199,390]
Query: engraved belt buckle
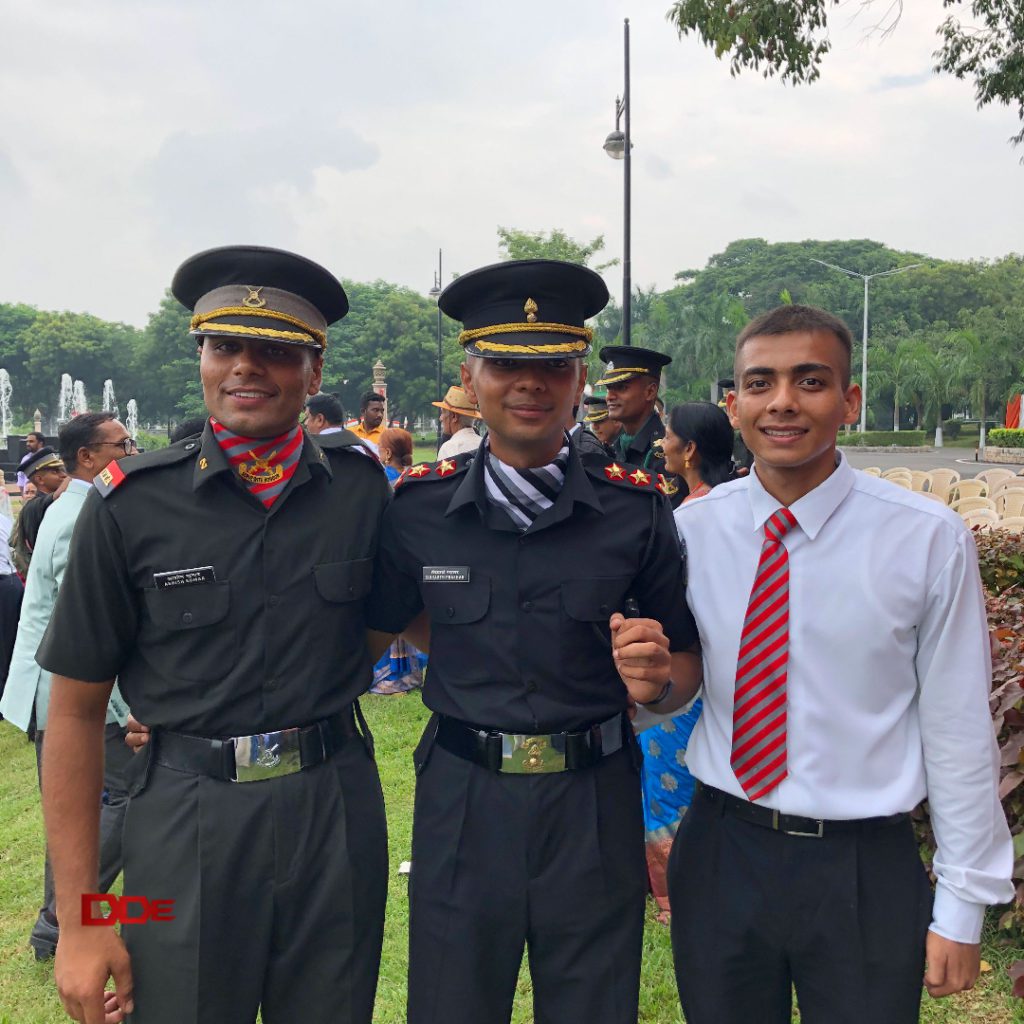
[530,755]
[266,755]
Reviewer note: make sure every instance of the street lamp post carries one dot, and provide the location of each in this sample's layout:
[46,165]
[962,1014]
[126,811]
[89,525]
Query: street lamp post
[618,147]
[435,294]
[866,278]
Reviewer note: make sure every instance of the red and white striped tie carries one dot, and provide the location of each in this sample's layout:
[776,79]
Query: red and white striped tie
[759,705]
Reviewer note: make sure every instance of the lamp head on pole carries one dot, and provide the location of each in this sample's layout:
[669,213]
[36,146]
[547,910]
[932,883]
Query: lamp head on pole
[436,290]
[615,145]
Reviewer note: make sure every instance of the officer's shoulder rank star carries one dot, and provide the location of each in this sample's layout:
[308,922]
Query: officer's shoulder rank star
[421,470]
[445,467]
[614,471]
[640,478]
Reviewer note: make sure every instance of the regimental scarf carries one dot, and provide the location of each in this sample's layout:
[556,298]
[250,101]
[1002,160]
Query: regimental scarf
[264,464]
[524,493]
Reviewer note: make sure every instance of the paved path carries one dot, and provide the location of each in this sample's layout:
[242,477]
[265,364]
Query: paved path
[960,459]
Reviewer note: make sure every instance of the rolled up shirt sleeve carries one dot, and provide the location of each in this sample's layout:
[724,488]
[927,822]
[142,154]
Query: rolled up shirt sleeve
[974,857]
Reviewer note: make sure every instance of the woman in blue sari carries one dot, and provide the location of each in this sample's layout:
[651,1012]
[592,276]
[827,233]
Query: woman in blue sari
[698,447]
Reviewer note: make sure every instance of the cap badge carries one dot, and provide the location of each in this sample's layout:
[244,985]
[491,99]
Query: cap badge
[610,367]
[260,471]
[254,299]
[530,309]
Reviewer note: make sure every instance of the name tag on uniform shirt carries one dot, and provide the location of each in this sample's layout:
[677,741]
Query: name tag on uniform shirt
[184,577]
[446,574]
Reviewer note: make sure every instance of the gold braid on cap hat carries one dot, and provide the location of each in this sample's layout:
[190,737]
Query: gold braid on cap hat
[309,334]
[486,332]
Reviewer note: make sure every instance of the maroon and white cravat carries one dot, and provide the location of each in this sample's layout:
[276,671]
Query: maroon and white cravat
[759,705]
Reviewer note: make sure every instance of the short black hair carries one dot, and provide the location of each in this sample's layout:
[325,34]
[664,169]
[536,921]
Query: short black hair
[792,318]
[709,429]
[329,406]
[38,434]
[187,428]
[370,396]
[80,432]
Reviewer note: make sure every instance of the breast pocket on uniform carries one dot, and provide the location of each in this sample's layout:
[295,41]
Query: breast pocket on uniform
[340,582]
[587,605]
[457,604]
[186,633]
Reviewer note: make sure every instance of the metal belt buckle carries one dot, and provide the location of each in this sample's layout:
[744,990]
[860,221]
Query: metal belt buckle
[530,755]
[796,832]
[266,755]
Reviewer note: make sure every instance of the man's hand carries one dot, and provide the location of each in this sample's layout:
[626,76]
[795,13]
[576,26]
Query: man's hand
[137,735]
[86,958]
[951,966]
[642,658]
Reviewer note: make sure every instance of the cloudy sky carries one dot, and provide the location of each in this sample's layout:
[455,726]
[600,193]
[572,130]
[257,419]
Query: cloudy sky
[366,136]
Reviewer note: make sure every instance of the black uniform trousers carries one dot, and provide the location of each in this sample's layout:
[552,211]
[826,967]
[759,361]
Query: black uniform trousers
[756,913]
[551,862]
[278,887]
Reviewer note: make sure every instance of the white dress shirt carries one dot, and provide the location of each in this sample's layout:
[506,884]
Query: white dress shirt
[889,668]
[465,439]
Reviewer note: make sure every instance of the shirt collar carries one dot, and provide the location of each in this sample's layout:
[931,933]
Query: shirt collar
[81,486]
[814,509]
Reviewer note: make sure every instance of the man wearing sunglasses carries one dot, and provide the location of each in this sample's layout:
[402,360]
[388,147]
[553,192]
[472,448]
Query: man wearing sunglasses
[87,444]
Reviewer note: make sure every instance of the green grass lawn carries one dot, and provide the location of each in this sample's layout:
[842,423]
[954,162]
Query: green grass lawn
[27,995]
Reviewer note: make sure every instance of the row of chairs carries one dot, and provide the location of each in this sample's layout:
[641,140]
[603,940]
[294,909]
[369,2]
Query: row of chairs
[994,498]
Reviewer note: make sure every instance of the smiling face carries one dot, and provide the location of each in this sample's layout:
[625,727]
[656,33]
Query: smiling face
[256,388]
[632,401]
[789,403]
[525,404]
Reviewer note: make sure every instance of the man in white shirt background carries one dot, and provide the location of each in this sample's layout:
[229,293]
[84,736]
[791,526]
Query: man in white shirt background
[847,672]
[87,444]
[458,419]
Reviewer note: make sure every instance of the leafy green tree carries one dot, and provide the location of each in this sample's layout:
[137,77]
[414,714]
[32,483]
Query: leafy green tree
[789,38]
[554,245]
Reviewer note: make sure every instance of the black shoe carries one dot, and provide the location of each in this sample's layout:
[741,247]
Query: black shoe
[45,933]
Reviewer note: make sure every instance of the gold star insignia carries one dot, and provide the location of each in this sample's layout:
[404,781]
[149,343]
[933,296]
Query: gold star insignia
[640,478]
[614,471]
[445,467]
[421,470]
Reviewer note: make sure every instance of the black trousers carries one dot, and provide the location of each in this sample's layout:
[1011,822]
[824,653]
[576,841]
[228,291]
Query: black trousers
[12,590]
[553,863]
[756,913]
[278,887]
[117,764]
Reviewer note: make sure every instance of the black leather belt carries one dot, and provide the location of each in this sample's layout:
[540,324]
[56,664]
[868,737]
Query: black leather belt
[261,756]
[527,754]
[792,824]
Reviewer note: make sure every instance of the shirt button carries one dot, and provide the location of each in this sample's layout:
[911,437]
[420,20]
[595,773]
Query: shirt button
[450,612]
[531,686]
[603,609]
[527,606]
[272,600]
[273,684]
[186,617]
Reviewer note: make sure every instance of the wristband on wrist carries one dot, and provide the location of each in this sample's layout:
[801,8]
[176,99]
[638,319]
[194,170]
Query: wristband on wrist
[665,691]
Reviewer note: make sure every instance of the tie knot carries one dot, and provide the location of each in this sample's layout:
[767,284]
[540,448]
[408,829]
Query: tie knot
[780,522]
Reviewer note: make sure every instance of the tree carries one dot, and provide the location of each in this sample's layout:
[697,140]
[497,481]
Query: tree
[789,38]
[556,245]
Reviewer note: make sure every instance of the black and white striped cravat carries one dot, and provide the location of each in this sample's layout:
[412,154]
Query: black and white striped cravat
[524,493]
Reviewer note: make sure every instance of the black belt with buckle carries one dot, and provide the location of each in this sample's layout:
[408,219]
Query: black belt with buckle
[264,755]
[792,824]
[529,754]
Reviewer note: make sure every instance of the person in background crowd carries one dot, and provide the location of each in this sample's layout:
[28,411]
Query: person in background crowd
[88,442]
[395,452]
[324,414]
[187,428]
[599,423]
[45,470]
[11,591]
[849,685]
[371,419]
[459,417]
[632,376]
[33,442]
[659,408]
[698,448]
[223,581]
[586,442]
[29,492]
[528,828]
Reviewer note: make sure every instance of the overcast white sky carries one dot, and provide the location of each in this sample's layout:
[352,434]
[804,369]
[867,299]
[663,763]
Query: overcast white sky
[366,136]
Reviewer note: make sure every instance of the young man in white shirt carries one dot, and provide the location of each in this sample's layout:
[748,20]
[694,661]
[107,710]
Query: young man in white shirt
[847,671]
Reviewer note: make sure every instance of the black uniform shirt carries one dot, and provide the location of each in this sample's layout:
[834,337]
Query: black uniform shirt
[522,644]
[646,450]
[273,637]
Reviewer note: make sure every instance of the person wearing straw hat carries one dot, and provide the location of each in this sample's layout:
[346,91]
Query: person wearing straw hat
[223,582]
[528,831]
[458,416]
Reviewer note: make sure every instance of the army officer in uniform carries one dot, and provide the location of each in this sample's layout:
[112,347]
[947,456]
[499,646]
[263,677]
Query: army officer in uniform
[528,828]
[223,582]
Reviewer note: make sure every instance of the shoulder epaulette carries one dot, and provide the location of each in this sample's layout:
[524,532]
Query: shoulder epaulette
[344,441]
[442,470]
[623,474]
[116,472]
